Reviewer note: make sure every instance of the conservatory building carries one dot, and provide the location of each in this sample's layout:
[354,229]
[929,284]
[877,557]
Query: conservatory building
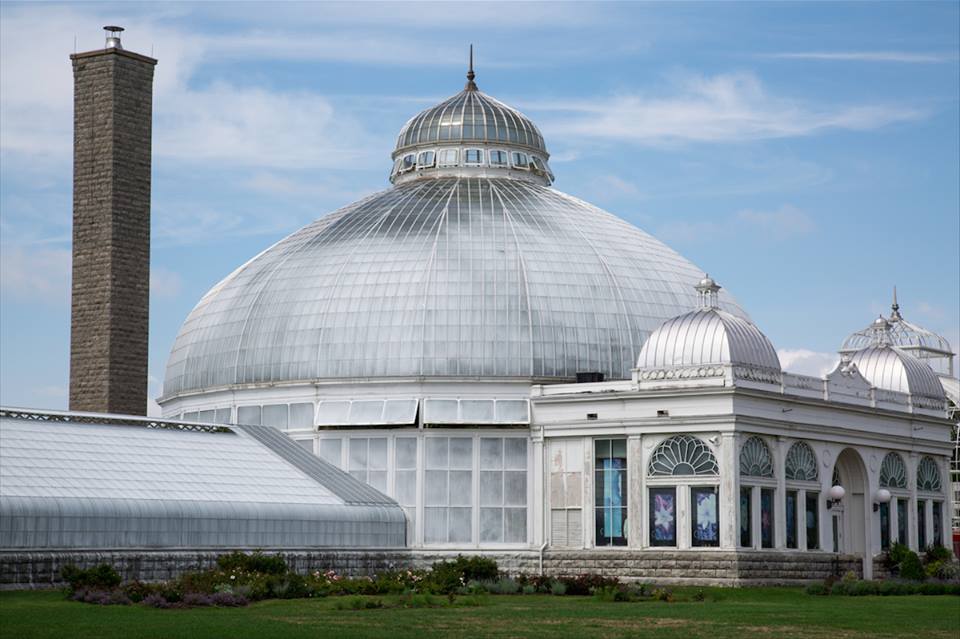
[529,376]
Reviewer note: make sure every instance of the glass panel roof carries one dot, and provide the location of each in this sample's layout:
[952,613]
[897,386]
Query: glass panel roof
[461,277]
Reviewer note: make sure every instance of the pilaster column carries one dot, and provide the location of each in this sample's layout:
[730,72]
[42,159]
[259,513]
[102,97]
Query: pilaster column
[780,499]
[635,497]
[729,499]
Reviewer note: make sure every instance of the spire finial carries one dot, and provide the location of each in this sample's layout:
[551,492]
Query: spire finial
[471,85]
[895,308]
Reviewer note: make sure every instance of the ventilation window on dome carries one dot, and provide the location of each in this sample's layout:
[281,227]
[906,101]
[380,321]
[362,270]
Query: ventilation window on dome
[473,156]
[538,164]
[409,162]
[426,160]
[449,157]
[520,161]
[498,158]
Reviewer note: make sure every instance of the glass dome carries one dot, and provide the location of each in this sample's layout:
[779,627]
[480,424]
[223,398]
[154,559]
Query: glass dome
[459,275]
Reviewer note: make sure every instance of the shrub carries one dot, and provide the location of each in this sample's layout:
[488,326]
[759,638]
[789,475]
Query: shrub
[663,594]
[610,594]
[930,589]
[529,589]
[137,591]
[817,589]
[699,595]
[255,562]
[587,583]
[100,577]
[897,553]
[450,576]
[911,568]
[557,587]
[228,599]
[935,553]
[156,600]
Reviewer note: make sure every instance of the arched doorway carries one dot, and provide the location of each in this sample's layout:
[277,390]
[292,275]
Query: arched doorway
[850,518]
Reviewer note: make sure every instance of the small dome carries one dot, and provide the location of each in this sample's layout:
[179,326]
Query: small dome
[708,336]
[887,367]
[470,117]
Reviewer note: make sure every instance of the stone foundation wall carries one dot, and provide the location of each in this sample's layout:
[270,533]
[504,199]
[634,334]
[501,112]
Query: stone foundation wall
[20,570]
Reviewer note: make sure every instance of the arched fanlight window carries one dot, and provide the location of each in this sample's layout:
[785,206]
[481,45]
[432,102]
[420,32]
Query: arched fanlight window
[755,459]
[683,455]
[801,463]
[928,475]
[893,472]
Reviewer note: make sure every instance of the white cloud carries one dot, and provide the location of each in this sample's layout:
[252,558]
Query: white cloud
[38,275]
[731,107]
[807,362]
[780,224]
[866,56]
[607,183]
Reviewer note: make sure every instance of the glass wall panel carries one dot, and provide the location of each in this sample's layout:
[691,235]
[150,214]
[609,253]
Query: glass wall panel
[901,520]
[405,480]
[503,489]
[921,523]
[791,514]
[705,520]
[766,517]
[884,526]
[248,415]
[330,451]
[566,496]
[812,517]
[276,415]
[746,517]
[301,415]
[206,416]
[663,516]
[368,461]
[223,416]
[938,523]
[611,492]
[448,490]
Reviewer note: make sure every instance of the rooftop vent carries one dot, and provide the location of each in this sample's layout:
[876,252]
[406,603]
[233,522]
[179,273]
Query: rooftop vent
[113,37]
[589,376]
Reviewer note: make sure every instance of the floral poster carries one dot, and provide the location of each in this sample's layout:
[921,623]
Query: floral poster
[706,528]
[663,529]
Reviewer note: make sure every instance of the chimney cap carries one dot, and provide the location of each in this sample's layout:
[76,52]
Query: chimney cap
[113,36]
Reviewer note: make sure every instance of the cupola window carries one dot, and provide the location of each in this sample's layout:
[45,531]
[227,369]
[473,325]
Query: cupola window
[473,156]
[520,160]
[409,162]
[449,157]
[426,160]
[498,158]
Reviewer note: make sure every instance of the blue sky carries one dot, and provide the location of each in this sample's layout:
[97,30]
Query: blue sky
[806,155]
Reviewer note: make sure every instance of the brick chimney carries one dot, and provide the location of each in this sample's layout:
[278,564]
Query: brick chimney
[112,125]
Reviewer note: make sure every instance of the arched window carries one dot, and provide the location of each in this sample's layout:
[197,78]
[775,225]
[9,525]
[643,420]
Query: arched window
[893,472]
[755,459]
[682,455]
[928,475]
[802,502]
[801,463]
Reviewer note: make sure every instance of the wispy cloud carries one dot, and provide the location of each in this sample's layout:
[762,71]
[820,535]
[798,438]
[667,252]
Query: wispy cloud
[39,275]
[867,56]
[779,224]
[730,107]
[807,362]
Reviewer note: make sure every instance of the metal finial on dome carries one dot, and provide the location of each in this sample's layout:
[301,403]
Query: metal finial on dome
[895,308]
[113,37]
[471,85]
[881,331]
[707,292]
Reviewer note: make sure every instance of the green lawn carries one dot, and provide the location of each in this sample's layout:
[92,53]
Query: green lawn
[740,613]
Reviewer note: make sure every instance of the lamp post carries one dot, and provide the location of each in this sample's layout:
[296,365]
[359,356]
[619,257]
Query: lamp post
[881,497]
[836,494]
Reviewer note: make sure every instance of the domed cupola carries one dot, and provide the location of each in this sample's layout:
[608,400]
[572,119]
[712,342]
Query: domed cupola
[889,367]
[932,349]
[470,135]
[708,342]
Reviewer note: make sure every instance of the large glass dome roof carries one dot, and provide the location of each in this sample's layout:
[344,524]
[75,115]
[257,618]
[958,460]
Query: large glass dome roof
[444,275]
